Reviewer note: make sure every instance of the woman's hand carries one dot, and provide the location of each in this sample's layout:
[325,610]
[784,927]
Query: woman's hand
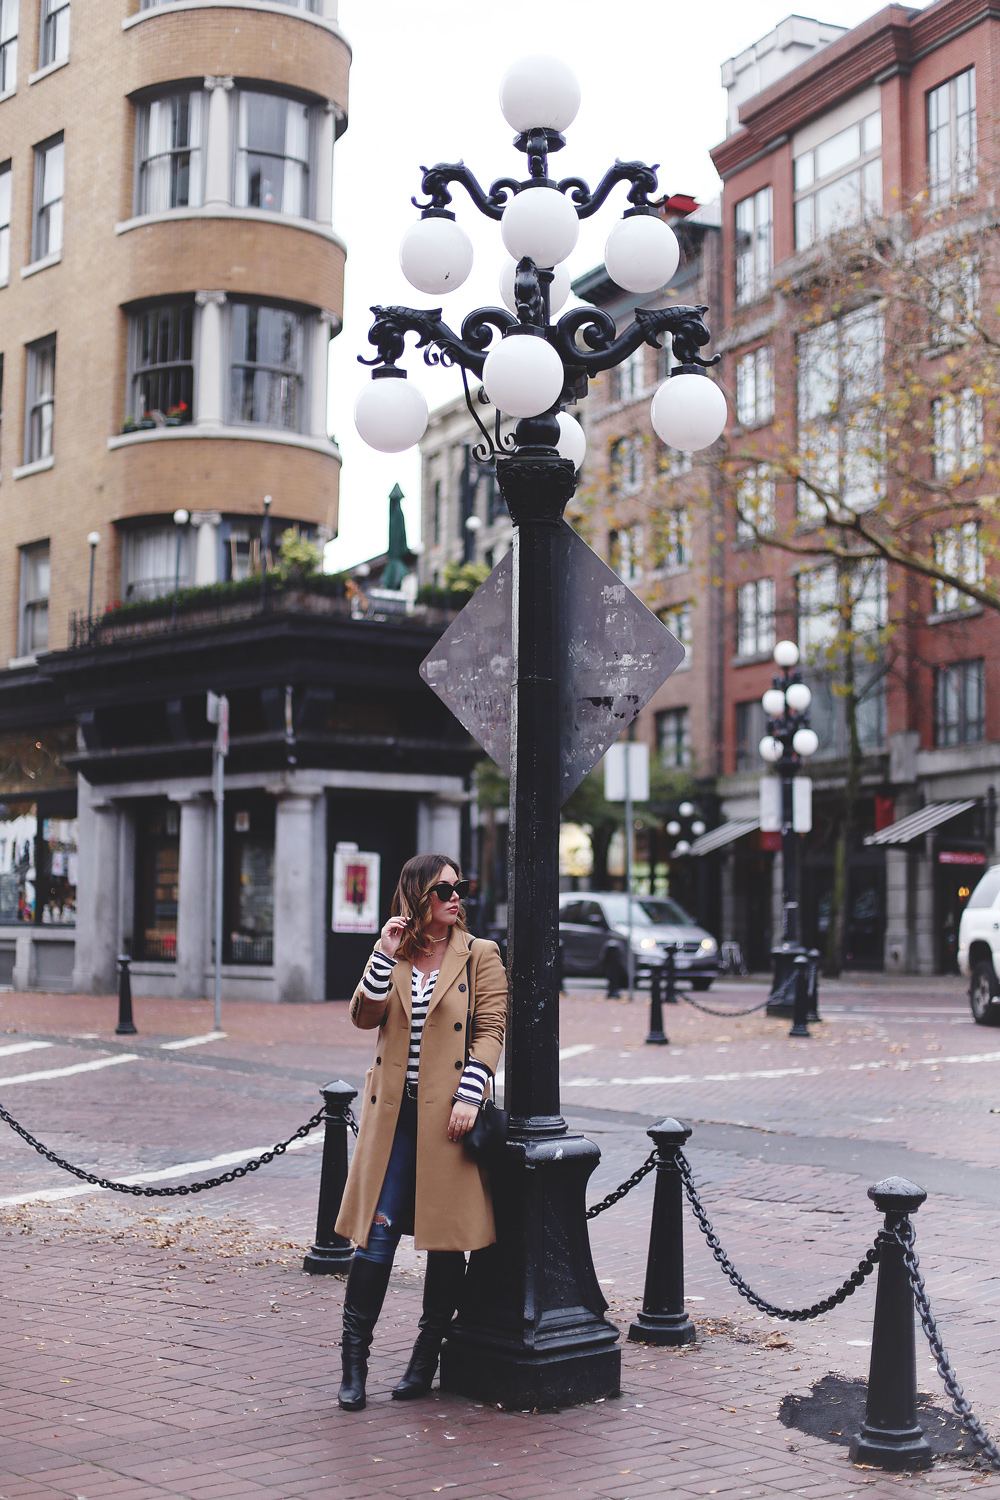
[463,1117]
[392,935]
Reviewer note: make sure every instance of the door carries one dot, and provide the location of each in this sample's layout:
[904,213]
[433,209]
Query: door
[383,825]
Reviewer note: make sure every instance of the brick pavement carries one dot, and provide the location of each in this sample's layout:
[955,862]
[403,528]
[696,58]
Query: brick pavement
[178,1350]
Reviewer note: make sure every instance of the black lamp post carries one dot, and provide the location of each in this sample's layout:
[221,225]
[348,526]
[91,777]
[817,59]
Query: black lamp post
[532,1329]
[93,542]
[788,741]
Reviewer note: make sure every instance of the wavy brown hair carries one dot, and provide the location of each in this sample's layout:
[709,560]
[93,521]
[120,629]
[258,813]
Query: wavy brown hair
[412,898]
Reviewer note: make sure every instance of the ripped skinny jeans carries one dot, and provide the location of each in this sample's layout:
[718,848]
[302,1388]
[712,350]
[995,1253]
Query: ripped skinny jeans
[397,1198]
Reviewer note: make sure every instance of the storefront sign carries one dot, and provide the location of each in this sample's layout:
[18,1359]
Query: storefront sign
[960,857]
[355,891]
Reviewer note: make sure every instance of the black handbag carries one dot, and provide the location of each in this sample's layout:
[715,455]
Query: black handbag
[488,1136]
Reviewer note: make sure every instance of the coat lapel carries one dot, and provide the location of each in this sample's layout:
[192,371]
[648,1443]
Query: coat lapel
[402,979]
[451,966]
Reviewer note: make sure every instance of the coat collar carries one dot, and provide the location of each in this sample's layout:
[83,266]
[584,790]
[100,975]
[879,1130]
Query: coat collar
[456,953]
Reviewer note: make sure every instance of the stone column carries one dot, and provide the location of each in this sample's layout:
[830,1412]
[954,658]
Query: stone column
[217,153]
[923,906]
[97,894]
[439,827]
[194,900]
[206,552]
[209,404]
[323,194]
[320,373]
[898,931]
[296,941]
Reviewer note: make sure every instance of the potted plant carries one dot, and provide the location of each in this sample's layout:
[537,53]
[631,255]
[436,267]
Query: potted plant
[129,424]
[177,415]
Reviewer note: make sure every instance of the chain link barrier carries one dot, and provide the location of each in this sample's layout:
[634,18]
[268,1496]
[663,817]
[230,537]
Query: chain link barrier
[789,1314]
[721,1014]
[349,1117]
[137,1190]
[624,1188]
[904,1234]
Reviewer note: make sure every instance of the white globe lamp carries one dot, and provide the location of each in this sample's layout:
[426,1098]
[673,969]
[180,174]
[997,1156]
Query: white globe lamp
[805,742]
[523,375]
[572,442]
[558,286]
[540,222]
[773,703]
[698,828]
[673,828]
[682,847]
[181,517]
[435,255]
[688,412]
[686,809]
[769,749]
[539,92]
[473,523]
[641,253]
[798,697]
[390,415]
[786,654]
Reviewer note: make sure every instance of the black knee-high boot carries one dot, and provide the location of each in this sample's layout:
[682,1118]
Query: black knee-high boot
[366,1288]
[442,1288]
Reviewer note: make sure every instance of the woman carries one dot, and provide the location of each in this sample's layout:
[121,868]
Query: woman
[433,1063]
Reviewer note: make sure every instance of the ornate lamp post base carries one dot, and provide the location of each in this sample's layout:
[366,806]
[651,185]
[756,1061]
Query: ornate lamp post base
[531,1330]
[781,1001]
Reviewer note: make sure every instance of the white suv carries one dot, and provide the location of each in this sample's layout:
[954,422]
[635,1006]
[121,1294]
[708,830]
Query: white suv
[979,947]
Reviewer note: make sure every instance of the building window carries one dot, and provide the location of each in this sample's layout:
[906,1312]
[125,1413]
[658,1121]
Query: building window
[866,596]
[958,551]
[839,379]
[839,181]
[249,871]
[627,465]
[40,403]
[8,45]
[268,347]
[437,512]
[959,707]
[48,217]
[817,601]
[677,540]
[954,297]
[755,387]
[628,380]
[34,623]
[754,253]
[4,223]
[677,619]
[958,433]
[625,550]
[272,155]
[163,363]
[749,733]
[157,560]
[673,737]
[170,156]
[157,881]
[754,503]
[755,618]
[951,138]
[54,44]
[676,463]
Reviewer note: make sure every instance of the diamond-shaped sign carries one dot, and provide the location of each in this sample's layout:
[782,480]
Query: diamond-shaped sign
[615,653]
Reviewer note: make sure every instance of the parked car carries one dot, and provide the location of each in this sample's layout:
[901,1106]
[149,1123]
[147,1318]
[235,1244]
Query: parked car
[979,947]
[593,932]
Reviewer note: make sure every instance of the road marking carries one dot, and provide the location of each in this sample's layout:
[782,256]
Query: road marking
[13,1047]
[90,1067]
[229,1159]
[577,1051]
[192,1041]
[896,1065]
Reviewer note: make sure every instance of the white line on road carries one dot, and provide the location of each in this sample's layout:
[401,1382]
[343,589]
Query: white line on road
[89,1067]
[896,1065]
[229,1159]
[577,1051]
[192,1041]
[13,1047]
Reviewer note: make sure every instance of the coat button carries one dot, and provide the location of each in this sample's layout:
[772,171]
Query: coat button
[462,989]
[378,1062]
[373,1098]
[458,1025]
[458,1065]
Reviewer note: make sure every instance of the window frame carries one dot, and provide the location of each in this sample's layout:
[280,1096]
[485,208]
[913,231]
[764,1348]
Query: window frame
[960,674]
[954,416]
[628,464]
[679,740]
[137,370]
[36,400]
[308,163]
[679,620]
[847,412]
[41,215]
[302,376]
[859,165]
[958,548]
[959,184]
[751,279]
[49,28]
[33,607]
[764,621]
[755,482]
[144,158]
[755,369]
[6,172]
[8,47]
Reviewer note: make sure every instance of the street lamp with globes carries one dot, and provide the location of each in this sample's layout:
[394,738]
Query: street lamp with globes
[532,1330]
[789,740]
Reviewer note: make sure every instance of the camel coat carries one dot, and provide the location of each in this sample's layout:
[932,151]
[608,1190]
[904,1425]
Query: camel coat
[454,1210]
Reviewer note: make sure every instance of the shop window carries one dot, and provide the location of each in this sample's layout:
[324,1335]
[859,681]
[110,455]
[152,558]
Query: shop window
[170,152]
[952,137]
[38,863]
[47,225]
[54,39]
[8,45]
[157,868]
[249,900]
[268,346]
[273,154]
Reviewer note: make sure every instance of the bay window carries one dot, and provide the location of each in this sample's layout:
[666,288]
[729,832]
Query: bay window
[267,368]
[273,151]
[163,363]
[170,153]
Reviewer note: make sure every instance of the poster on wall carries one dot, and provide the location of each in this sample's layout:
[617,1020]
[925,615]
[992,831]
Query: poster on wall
[355,890]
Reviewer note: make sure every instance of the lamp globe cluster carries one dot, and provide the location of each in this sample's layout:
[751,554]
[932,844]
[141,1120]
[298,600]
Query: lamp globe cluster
[786,704]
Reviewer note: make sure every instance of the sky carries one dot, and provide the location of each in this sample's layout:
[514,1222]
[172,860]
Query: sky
[424,88]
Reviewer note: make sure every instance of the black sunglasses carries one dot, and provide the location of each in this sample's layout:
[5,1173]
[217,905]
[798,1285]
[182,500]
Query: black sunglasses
[444,891]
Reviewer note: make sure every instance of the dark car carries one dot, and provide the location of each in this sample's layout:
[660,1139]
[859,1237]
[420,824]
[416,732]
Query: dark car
[593,933]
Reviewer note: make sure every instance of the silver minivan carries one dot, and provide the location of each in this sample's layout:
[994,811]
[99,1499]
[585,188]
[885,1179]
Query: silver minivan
[593,933]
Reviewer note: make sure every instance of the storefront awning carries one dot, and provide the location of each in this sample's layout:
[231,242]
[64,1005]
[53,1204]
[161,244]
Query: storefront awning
[920,822]
[718,838]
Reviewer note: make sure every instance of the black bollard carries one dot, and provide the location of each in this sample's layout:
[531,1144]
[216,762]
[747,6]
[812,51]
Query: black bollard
[663,1319]
[891,1437]
[332,1253]
[670,998]
[815,959]
[656,1037]
[800,1012]
[126,1025]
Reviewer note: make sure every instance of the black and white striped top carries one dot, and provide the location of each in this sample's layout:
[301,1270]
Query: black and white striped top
[378,976]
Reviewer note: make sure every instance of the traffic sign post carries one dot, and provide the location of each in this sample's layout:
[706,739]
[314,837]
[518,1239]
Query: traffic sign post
[217,712]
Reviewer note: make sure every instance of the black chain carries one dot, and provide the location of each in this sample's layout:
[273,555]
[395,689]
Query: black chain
[138,1191]
[349,1117]
[625,1187]
[722,1014]
[904,1235]
[793,1314]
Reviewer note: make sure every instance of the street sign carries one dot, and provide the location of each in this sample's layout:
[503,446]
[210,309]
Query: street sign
[770,804]
[802,805]
[615,655]
[637,788]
